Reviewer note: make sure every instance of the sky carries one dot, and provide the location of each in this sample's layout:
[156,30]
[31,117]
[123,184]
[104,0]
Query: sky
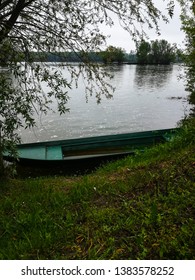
[171,32]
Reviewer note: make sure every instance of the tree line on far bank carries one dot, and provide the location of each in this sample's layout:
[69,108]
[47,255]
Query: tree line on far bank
[154,52]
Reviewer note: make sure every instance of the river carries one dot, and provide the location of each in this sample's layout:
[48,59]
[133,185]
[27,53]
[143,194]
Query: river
[146,98]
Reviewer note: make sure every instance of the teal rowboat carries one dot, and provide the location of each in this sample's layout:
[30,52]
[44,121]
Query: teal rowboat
[85,151]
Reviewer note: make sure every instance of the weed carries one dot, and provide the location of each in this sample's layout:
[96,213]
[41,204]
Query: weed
[141,207]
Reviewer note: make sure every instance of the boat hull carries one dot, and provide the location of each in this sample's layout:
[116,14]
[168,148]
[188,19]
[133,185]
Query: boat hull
[86,152]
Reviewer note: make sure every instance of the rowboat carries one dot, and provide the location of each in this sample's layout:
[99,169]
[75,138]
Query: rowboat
[87,151]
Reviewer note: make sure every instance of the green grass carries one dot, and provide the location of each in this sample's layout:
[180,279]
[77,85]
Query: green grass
[141,207]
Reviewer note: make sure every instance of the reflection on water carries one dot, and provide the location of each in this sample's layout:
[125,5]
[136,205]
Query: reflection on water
[146,98]
[152,76]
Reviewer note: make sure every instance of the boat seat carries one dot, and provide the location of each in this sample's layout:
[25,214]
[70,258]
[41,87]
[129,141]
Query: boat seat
[54,152]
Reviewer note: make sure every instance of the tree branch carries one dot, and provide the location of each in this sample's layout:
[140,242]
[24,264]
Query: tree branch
[5,3]
[8,25]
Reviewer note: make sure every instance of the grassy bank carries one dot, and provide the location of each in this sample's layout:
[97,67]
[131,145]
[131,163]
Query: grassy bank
[141,207]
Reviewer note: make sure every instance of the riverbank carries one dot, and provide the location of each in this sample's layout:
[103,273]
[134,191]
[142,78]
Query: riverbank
[141,207]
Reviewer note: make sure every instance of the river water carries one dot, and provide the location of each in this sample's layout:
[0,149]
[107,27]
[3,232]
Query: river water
[146,98]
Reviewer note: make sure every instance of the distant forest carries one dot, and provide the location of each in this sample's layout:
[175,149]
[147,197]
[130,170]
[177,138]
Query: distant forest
[154,52]
[77,57]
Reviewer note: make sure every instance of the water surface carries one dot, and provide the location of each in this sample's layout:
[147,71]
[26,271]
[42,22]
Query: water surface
[146,98]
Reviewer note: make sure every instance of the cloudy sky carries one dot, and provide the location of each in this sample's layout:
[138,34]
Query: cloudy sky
[170,32]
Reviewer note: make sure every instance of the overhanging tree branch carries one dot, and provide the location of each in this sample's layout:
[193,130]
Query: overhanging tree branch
[14,15]
[5,3]
[57,26]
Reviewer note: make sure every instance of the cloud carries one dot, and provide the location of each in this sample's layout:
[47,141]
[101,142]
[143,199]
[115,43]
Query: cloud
[171,31]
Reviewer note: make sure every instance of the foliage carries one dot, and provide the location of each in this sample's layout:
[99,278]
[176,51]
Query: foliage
[188,25]
[131,57]
[65,57]
[113,54]
[139,208]
[156,52]
[143,51]
[28,26]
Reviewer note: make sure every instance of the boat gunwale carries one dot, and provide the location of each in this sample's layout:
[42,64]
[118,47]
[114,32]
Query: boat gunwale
[100,139]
